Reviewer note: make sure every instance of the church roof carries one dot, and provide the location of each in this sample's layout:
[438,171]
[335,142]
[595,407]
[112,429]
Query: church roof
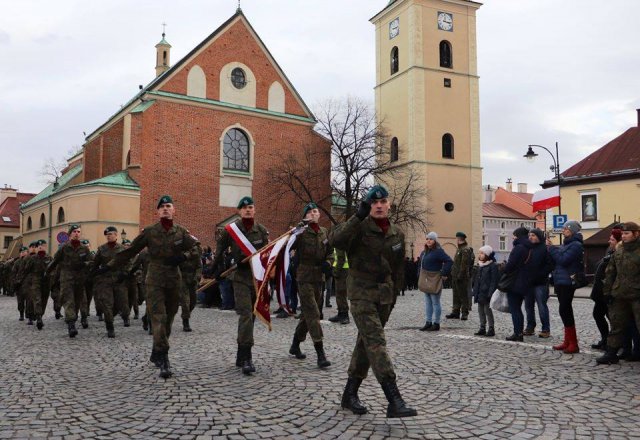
[121,179]
[52,188]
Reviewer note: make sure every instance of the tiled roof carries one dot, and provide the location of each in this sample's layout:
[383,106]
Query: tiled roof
[62,182]
[120,179]
[527,197]
[10,209]
[498,210]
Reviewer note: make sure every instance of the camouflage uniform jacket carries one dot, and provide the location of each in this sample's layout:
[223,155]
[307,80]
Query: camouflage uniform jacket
[16,271]
[462,262]
[35,266]
[258,236]
[104,255]
[71,259]
[376,260]
[161,245]
[313,251]
[623,272]
[193,263]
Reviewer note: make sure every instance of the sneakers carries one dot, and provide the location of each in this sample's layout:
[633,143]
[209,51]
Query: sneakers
[529,331]
[544,334]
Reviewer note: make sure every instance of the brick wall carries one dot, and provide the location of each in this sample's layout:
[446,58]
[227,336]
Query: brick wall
[91,166]
[112,149]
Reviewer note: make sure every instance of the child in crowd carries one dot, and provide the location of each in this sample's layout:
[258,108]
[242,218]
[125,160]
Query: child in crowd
[484,284]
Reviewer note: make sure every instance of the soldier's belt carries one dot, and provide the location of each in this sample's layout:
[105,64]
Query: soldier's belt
[370,276]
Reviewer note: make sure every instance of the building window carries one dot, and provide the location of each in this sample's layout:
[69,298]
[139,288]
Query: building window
[503,225]
[60,215]
[395,60]
[394,149]
[236,151]
[29,224]
[43,221]
[447,146]
[447,82]
[446,59]
[484,240]
[589,207]
[238,78]
[7,240]
[503,243]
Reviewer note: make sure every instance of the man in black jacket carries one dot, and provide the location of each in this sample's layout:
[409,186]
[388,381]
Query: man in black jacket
[540,266]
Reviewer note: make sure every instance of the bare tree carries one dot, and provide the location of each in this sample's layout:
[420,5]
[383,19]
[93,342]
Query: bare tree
[52,170]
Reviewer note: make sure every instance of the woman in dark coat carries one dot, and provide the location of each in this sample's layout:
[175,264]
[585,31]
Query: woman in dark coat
[485,282]
[516,293]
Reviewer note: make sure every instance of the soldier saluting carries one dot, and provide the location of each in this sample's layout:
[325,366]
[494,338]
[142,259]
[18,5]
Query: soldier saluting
[168,245]
[375,248]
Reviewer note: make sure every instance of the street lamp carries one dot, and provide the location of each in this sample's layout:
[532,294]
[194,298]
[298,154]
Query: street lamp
[123,234]
[531,156]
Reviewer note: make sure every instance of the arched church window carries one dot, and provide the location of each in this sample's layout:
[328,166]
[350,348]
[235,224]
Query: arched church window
[395,60]
[236,151]
[446,57]
[447,146]
[394,149]
[60,215]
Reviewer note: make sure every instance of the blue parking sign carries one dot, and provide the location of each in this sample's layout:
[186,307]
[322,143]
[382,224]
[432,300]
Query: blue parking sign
[559,221]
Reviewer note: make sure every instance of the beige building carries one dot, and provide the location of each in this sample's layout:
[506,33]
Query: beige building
[427,96]
[111,200]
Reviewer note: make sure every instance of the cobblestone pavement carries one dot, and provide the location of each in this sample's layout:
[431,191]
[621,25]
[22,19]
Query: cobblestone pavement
[462,386]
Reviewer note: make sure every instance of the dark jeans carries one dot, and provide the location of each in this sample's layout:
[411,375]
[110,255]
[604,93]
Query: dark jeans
[565,298]
[226,292]
[515,307]
[291,293]
[631,339]
[537,295]
[600,310]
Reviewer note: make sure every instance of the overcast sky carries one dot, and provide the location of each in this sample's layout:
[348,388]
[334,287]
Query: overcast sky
[566,71]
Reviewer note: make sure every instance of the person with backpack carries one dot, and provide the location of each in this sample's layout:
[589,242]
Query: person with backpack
[518,288]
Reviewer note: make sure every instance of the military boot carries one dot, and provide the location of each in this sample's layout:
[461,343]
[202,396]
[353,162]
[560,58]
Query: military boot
[58,314]
[350,398]
[145,323]
[125,321]
[185,325]
[155,358]
[165,366]
[110,330]
[295,349]
[247,363]
[30,322]
[609,357]
[453,315]
[72,329]
[21,316]
[83,322]
[322,358]
[397,407]
[100,318]
[239,356]
[39,323]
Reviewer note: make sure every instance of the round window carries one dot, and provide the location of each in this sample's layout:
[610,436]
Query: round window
[238,78]
[448,206]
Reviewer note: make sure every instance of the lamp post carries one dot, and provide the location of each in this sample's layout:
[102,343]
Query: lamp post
[123,235]
[531,156]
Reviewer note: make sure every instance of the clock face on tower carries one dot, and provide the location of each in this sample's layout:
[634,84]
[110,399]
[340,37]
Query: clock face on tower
[445,21]
[394,28]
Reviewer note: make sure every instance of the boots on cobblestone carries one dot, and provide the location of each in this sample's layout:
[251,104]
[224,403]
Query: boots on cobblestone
[136,315]
[491,332]
[609,357]
[100,318]
[453,315]
[110,330]
[350,398]
[125,321]
[247,362]
[71,325]
[30,322]
[83,322]
[600,345]
[145,323]
[565,341]
[185,325]
[239,356]
[322,358]
[572,345]
[515,338]
[39,323]
[165,366]
[426,326]
[481,332]
[338,317]
[397,407]
[155,358]
[434,327]
[295,349]
[58,314]
[464,316]
[21,316]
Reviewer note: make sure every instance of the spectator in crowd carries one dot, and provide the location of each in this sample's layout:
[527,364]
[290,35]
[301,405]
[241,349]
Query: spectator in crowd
[600,306]
[539,267]
[485,282]
[226,286]
[435,266]
[519,288]
[568,260]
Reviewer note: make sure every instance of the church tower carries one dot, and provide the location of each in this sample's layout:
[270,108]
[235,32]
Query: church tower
[426,94]
[163,52]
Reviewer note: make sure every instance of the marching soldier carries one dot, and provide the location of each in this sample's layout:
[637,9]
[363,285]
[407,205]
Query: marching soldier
[242,235]
[375,248]
[26,280]
[108,285]
[314,254]
[34,274]
[460,276]
[340,270]
[88,283]
[73,258]
[131,283]
[191,272]
[168,244]
[16,276]
[55,292]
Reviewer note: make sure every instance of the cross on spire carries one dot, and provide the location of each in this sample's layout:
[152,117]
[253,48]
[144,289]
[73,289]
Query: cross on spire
[239,5]
[164,25]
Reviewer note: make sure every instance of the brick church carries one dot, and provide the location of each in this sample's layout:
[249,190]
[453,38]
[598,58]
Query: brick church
[207,130]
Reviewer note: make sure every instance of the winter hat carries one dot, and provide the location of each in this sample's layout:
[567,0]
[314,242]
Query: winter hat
[573,226]
[617,234]
[521,232]
[432,236]
[487,250]
[538,233]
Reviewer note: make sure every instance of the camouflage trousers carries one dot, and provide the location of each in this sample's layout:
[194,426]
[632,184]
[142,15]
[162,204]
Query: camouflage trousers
[33,286]
[461,302]
[132,295]
[106,290]
[341,294]
[122,306]
[621,312]
[245,297]
[73,296]
[188,297]
[21,297]
[56,297]
[90,294]
[163,297]
[311,304]
[371,345]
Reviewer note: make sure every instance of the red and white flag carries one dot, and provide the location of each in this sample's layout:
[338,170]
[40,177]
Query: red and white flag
[272,262]
[546,199]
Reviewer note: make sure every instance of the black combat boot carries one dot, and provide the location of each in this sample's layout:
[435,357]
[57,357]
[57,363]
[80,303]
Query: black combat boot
[30,322]
[21,316]
[350,398]
[58,314]
[491,332]
[110,330]
[100,318]
[464,316]
[295,349]
[427,325]
[165,366]
[83,322]
[453,315]
[239,356]
[481,332]
[125,321]
[145,323]
[185,325]
[39,323]
[397,407]
[434,327]
[72,329]
[322,358]
[609,357]
[136,314]
[247,363]
[155,358]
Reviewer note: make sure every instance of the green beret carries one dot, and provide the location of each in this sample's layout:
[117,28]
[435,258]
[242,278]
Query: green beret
[84,241]
[24,248]
[308,208]
[245,201]
[33,244]
[110,229]
[126,241]
[41,242]
[73,228]
[377,192]
[163,200]
[461,235]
